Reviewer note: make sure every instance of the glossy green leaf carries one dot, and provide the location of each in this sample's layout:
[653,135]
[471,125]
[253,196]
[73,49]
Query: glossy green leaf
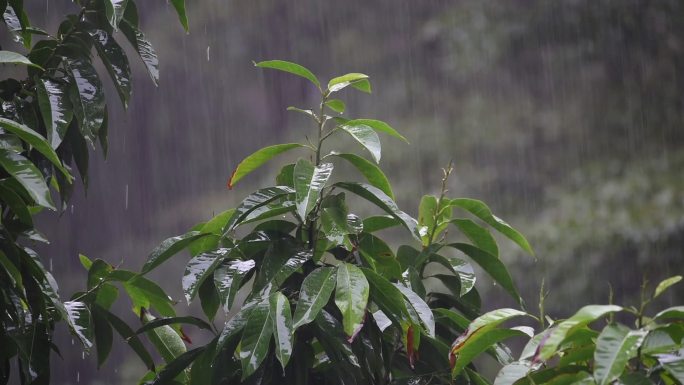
[168,248]
[672,312]
[674,365]
[202,370]
[255,200]
[12,271]
[159,322]
[480,210]
[615,346]
[258,158]
[378,126]
[379,255]
[18,23]
[164,338]
[419,309]
[145,294]
[370,171]
[384,202]
[334,218]
[433,217]
[55,109]
[9,57]
[492,265]
[286,176]
[356,80]
[665,284]
[198,269]
[87,97]
[313,295]
[292,68]
[477,234]
[209,298]
[177,368]
[309,180]
[16,204]
[114,10]
[351,297]
[214,226]
[115,61]
[388,298]
[235,325]
[548,347]
[179,5]
[512,372]
[366,137]
[379,222]
[228,280]
[36,140]
[462,269]
[336,105]
[256,338]
[487,321]
[79,321]
[26,173]
[143,47]
[129,337]
[104,336]
[281,316]
[478,343]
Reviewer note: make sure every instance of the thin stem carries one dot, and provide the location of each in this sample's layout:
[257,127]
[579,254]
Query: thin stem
[447,171]
[311,220]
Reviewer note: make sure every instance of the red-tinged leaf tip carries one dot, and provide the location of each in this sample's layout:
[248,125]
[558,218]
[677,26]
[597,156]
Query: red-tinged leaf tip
[410,348]
[452,360]
[356,332]
[142,313]
[537,352]
[185,337]
[230,181]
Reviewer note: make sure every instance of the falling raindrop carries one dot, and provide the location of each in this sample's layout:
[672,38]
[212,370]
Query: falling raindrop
[72,341]
[72,209]
[126,200]
[208,52]
[50,263]
[78,376]
[83,355]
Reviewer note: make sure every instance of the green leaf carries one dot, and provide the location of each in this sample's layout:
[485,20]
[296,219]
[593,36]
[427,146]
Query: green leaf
[313,295]
[16,204]
[665,284]
[380,199]
[351,297]
[26,173]
[115,61]
[235,324]
[209,298]
[36,140]
[356,80]
[12,271]
[164,338]
[55,109]
[145,293]
[379,222]
[366,136]
[256,338]
[281,316]
[379,255]
[159,322]
[129,336]
[476,344]
[672,312]
[512,372]
[309,180]
[615,346]
[334,218]
[87,97]
[370,171]
[114,10]
[213,226]
[388,298]
[257,159]
[172,370]
[202,370]
[142,46]
[492,265]
[179,5]
[419,309]
[228,280]
[675,366]
[9,57]
[480,210]
[584,316]
[198,269]
[104,336]
[255,200]
[292,68]
[168,248]
[431,218]
[478,235]
[336,105]
[379,126]
[79,321]
[286,176]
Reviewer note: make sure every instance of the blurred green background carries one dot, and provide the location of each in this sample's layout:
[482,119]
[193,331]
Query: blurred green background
[565,116]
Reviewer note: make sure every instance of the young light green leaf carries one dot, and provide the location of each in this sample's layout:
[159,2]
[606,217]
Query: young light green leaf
[228,280]
[79,321]
[281,316]
[477,234]
[379,126]
[309,180]
[480,210]
[476,344]
[168,248]
[665,284]
[672,312]
[351,297]
[336,105]
[55,109]
[256,338]
[292,68]
[198,269]
[257,159]
[356,80]
[379,222]
[314,294]
[255,200]
[26,173]
[9,57]
[615,346]
[179,5]
[370,171]
[366,136]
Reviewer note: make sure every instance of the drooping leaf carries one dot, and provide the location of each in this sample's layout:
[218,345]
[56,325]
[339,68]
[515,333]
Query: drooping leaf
[213,226]
[380,199]
[258,158]
[79,321]
[313,295]
[9,57]
[26,173]
[16,204]
[420,309]
[12,271]
[388,298]
[114,10]
[142,46]
[209,298]
[512,372]
[480,210]
[168,248]
[487,321]
[104,336]
[129,337]
[255,200]
[202,370]
[379,222]
[478,235]
[366,137]
[279,263]
[351,297]
[145,293]
[55,109]
[672,312]
[115,61]
[356,80]
[256,338]
[87,97]
[228,280]
[236,324]
[179,5]
[334,218]
[476,344]
[379,126]
[309,180]
[370,171]
[378,254]
[292,68]
[281,316]
[164,338]
[200,268]
[665,284]
[615,346]
[173,369]
[159,322]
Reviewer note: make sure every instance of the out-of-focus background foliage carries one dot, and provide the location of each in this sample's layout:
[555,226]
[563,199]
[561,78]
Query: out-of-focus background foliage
[565,116]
